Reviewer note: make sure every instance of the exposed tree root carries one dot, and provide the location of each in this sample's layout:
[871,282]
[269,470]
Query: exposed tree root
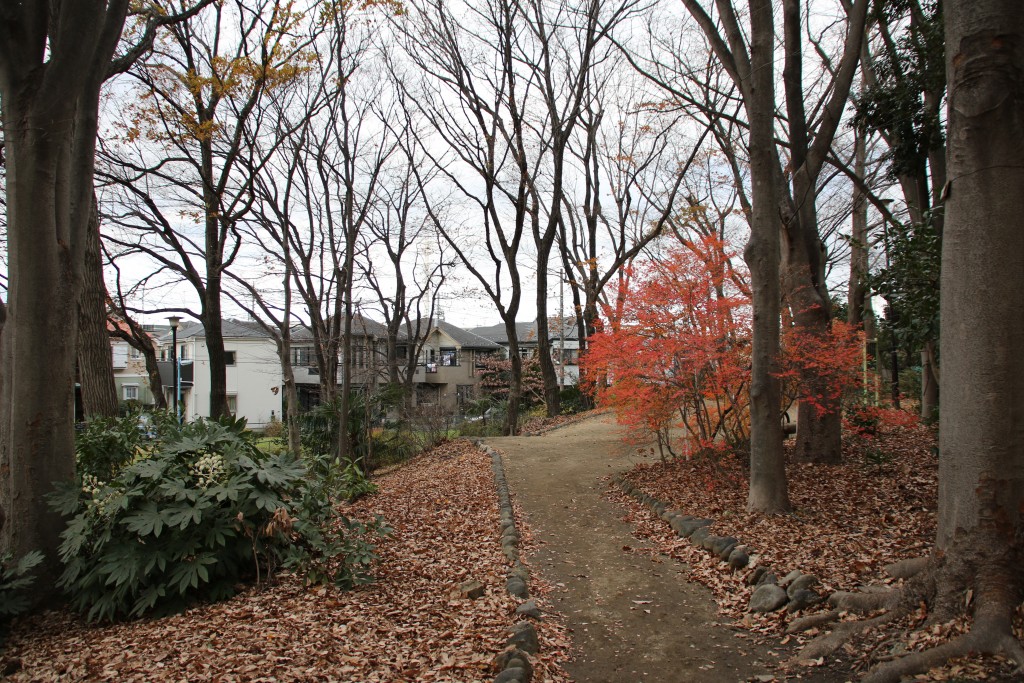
[865,602]
[813,621]
[904,569]
[982,639]
[827,643]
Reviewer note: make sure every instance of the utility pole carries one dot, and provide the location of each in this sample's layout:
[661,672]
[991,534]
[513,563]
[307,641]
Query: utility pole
[561,329]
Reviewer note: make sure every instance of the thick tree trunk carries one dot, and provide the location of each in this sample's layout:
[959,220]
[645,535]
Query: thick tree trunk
[819,420]
[50,102]
[95,365]
[980,537]
[768,489]
[981,462]
[37,407]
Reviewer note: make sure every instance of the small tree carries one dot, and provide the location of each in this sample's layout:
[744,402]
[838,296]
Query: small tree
[679,356]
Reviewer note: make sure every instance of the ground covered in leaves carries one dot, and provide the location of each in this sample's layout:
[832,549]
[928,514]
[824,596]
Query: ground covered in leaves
[407,626]
[849,522]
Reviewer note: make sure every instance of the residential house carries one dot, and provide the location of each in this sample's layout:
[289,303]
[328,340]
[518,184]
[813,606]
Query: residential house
[447,373]
[369,360]
[253,371]
[130,376]
[565,344]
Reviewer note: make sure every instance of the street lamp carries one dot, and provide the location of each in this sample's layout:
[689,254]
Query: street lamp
[174,321]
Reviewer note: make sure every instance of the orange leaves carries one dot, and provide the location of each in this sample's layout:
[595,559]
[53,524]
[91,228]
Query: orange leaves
[821,368]
[675,353]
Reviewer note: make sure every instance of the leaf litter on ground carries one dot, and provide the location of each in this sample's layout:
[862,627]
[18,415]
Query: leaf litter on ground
[848,522]
[407,626]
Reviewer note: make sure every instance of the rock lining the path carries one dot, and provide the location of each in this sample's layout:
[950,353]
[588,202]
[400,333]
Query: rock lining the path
[514,662]
[794,592]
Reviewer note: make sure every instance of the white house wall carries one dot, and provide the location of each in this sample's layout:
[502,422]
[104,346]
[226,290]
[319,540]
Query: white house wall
[254,380]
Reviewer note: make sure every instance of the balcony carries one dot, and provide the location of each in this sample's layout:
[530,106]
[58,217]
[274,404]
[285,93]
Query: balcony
[436,373]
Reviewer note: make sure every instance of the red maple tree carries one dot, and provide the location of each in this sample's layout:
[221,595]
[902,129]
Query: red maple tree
[676,352]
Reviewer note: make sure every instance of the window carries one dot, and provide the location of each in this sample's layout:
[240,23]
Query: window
[229,358]
[302,355]
[130,392]
[233,404]
[182,352]
[134,353]
[358,355]
[449,356]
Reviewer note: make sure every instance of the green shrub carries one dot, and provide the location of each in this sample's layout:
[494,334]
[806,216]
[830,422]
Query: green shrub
[330,548]
[572,400]
[200,510]
[15,579]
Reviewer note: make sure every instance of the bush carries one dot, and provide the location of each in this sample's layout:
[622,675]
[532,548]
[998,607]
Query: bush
[274,428]
[200,510]
[15,579]
[572,400]
[103,445]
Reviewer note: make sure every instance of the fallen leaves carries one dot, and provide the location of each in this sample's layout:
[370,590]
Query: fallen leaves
[849,521]
[405,627]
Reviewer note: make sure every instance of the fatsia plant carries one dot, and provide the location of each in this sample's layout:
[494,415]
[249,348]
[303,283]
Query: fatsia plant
[202,510]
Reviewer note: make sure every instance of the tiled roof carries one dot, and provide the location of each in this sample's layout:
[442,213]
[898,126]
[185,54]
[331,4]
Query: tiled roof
[527,332]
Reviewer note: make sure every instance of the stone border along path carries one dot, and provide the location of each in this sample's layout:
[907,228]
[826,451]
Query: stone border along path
[633,615]
[794,592]
[514,661]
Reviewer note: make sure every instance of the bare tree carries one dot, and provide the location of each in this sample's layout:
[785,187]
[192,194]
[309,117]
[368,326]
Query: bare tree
[176,173]
[488,160]
[407,280]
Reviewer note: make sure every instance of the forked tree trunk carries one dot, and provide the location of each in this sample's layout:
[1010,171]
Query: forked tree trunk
[95,364]
[768,489]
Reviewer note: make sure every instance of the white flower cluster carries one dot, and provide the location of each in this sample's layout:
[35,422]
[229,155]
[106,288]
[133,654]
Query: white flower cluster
[93,487]
[208,470]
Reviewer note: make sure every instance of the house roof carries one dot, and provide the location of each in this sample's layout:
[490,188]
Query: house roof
[527,332]
[230,329]
[465,338]
[361,325]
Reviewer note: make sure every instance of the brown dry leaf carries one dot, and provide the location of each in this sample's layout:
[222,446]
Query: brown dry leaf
[443,507]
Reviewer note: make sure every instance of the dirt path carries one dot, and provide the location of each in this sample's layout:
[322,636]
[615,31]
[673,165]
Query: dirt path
[633,619]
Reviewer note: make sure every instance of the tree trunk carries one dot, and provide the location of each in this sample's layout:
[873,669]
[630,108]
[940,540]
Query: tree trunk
[37,408]
[552,392]
[980,536]
[214,331]
[95,365]
[929,382]
[858,299]
[156,384]
[981,463]
[515,389]
[768,489]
